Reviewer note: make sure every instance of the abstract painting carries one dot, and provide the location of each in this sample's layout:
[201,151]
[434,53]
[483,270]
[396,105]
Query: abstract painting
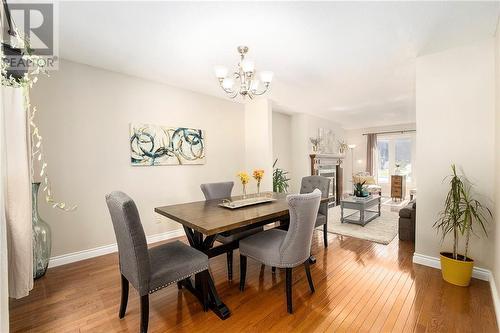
[162,145]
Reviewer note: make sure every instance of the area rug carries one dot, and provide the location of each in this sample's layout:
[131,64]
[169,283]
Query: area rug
[394,203]
[381,230]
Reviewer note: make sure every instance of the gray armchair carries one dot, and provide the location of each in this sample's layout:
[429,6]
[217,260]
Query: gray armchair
[308,185]
[153,269]
[285,249]
[222,190]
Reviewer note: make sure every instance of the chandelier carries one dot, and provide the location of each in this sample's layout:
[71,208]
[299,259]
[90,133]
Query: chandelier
[244,80]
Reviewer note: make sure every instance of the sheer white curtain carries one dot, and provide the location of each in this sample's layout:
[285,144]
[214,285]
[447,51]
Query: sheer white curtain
[4,274]
[17,192]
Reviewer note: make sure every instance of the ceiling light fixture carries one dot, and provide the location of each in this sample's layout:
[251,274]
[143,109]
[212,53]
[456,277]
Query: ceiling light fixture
[244,80]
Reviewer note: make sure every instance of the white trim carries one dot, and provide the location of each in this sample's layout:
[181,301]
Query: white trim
[478,273]
[422,259]
[106,249]
[496,298]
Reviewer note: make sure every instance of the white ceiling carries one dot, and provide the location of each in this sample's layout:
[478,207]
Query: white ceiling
[351,62]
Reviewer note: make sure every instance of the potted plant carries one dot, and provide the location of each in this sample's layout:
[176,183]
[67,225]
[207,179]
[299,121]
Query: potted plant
[359,189]
[461,213]
[280,180]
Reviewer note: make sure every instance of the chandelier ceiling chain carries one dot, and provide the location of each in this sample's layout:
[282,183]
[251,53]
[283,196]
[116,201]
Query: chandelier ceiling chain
[244,80]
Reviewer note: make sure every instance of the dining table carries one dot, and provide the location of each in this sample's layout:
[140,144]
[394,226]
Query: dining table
[204,220]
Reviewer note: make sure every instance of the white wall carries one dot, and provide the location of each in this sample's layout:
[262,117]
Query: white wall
[304,127]
[455,107]
[355,136]
[84,116]
[259,142]
[282,137]
[496,235]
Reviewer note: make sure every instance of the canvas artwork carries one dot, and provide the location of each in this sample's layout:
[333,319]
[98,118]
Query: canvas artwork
[327,140]
[162,145]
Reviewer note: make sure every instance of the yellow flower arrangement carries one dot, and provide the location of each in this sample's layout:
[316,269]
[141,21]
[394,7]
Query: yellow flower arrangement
[244,178]
[258,175]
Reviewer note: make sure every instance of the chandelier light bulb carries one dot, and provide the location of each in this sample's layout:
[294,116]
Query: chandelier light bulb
[254,85]
[248,66]
[266,76]
[220,72]
[227,83]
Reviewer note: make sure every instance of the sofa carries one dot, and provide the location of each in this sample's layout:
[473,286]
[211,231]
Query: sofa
[407,221]
[370,183]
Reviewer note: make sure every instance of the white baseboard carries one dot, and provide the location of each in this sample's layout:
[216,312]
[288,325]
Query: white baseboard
[477,272]
[422,259]
[102,250]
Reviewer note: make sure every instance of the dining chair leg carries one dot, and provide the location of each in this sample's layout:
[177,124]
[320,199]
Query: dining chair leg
[289,289]
[179,285]
[204,289]
[230,265]
[273,269]
[307,266]
[124,300]
[243,271]
[325,234]
[144,313]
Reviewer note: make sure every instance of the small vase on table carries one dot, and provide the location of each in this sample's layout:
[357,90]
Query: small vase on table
[244,178]
[258,175]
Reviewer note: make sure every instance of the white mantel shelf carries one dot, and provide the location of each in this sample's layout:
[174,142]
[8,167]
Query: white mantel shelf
[333,156]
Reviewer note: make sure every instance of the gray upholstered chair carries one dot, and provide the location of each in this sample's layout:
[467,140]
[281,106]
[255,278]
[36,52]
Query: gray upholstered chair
[153,269]
[222,190]
[285,249]
[309,184]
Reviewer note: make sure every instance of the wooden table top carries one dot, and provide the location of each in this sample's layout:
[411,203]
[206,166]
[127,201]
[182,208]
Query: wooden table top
[209,218]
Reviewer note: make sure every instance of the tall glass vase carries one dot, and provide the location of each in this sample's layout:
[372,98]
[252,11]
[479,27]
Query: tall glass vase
[244,190]
[42,240]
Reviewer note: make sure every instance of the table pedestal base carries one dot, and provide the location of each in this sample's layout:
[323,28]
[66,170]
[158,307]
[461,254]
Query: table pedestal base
[215,304]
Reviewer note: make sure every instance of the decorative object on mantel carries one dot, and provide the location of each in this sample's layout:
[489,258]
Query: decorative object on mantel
[161,145]
[460,214]
[245,75]
[42,237]
[327,140]
[280,179]
[24,79]
[244,178]
[343,146]
[315,144]
[258,175]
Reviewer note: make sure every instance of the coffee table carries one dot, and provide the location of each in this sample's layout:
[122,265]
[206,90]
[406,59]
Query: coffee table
[363,209]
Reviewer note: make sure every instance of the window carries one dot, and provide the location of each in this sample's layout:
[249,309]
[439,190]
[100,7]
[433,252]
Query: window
[383,161]
[403,157]
[395,155]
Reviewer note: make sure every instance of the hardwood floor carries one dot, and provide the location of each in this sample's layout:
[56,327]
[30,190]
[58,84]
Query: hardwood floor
[360,286]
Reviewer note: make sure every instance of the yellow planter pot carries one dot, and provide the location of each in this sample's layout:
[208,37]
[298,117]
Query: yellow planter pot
[456,272]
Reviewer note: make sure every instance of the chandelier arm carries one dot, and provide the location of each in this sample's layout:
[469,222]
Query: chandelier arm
[227,91]
[262,92]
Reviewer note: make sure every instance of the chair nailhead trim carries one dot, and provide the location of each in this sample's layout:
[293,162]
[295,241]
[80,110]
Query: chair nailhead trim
[177,280]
